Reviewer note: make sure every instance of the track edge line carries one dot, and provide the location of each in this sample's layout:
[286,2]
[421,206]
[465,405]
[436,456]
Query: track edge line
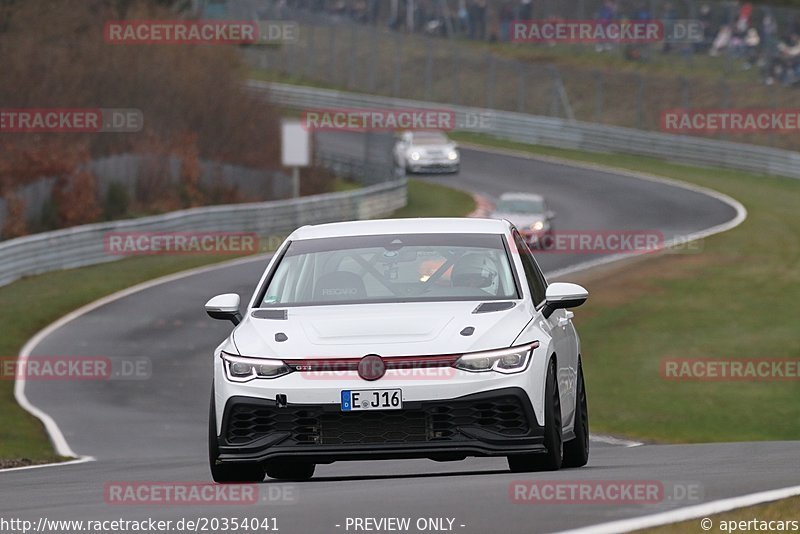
[55,434]
[687,513]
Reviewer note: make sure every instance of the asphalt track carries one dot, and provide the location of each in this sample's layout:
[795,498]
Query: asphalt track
[155,429]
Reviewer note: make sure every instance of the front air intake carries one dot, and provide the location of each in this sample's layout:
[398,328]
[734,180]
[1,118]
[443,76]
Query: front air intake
[488,307]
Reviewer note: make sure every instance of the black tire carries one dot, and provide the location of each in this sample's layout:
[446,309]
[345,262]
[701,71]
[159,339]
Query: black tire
[288,470]
[228,473]
[552,459]
[576,451]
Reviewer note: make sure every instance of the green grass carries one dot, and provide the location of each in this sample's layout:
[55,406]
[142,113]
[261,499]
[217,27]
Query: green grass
[340,184]
[785,510]
[434,200]
[739,298]
[32,303]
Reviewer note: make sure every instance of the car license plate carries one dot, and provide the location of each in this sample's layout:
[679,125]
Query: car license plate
[372,399]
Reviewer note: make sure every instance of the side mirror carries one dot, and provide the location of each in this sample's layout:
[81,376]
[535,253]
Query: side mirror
[560,295]
[224,307]
[550,214]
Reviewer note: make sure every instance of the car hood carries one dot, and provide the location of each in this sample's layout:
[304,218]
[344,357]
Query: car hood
[404,329]
[444,148]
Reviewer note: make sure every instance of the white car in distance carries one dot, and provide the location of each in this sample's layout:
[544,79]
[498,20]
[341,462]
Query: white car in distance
[426,152]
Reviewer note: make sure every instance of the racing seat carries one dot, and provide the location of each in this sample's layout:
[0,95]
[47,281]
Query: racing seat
[340,285]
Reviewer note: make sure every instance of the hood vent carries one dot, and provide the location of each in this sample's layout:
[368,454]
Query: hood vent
[488,307]
[277,315]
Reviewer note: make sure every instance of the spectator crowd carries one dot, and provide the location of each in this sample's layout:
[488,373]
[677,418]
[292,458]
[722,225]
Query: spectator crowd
[759,37]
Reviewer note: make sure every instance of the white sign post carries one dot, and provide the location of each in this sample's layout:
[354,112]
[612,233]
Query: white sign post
[295,150]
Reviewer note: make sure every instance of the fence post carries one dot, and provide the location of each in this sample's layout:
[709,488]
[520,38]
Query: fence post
[351,72]
[553,92]
[373,62]
[332,56]
[773,103]
[685,96]
[263,59]
[398,61]
[310,57]
[640,103]
[285,55]
[726,102]
[429,72]
[491,79]
[456,74]
[599,96]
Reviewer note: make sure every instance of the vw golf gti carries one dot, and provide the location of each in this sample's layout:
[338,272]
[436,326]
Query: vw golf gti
[415,338]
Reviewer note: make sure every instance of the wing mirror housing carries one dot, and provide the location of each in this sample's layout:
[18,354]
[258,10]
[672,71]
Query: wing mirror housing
[225,308]
[560,295]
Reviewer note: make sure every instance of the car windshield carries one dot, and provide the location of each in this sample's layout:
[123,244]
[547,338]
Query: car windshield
[392,268]
[429,138]
[520,206]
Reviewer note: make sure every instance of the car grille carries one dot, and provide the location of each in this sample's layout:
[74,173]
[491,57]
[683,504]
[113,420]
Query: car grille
[432,422]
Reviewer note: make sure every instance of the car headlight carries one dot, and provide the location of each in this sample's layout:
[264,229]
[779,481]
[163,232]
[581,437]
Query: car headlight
[240,369]
[506,361]
[452,155]
[415,155]
[538,225]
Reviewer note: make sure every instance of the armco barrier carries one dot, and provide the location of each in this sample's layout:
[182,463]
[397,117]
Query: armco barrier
[561,133]
[84,245]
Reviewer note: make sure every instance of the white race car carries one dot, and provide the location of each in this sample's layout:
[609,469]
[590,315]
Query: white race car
[415,338]
[426,151]
[530,214]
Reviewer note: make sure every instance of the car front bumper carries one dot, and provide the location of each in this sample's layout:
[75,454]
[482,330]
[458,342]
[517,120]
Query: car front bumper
[491,423]
[433,165]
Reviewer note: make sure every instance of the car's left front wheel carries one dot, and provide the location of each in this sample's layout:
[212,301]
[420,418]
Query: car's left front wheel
[576,451]
[551,459]
[228,473]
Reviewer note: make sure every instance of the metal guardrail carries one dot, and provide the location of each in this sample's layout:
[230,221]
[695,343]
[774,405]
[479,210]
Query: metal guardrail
[561,133]
[84,245]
